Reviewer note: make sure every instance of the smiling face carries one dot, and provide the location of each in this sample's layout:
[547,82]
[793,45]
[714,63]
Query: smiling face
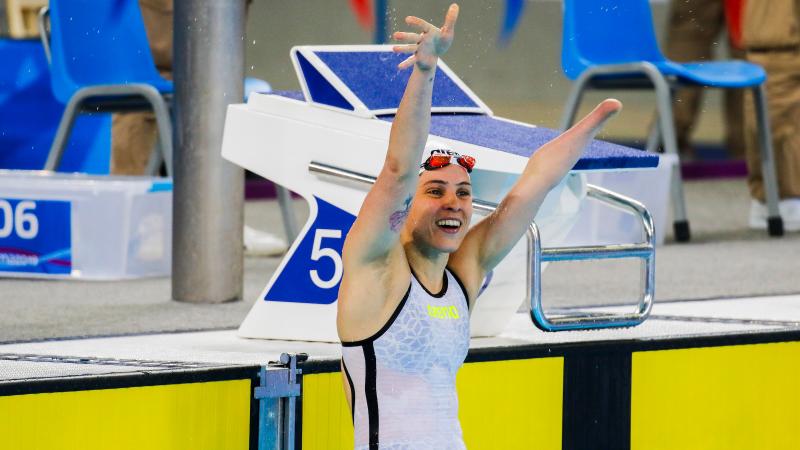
[440,213]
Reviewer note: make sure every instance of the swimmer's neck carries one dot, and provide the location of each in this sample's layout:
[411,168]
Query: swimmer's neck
[428,266]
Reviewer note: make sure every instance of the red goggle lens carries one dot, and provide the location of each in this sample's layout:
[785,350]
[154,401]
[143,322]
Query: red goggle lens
[467,162]
[438,161]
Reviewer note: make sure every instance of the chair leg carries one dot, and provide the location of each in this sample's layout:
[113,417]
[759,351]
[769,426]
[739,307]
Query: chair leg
[165,137]
[774,220]
[155,160]
[654,138]
[71,111]
[574,101]
[681,222]
[287,213]
[164,127]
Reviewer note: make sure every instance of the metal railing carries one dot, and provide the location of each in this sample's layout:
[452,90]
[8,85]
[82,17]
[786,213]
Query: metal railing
[643,250]
[536,256]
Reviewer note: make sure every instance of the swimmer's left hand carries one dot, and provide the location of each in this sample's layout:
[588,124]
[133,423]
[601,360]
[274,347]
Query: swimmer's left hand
[429,44]
[553,160]
[595,120]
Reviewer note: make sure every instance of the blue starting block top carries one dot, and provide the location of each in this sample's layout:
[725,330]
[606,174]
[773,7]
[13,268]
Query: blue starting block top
[524,140]
[385,89]
[364,80]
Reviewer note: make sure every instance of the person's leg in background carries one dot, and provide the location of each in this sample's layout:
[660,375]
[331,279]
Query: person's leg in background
[133,135]
[694,29]
[771,36]
[783,100]
[733,104]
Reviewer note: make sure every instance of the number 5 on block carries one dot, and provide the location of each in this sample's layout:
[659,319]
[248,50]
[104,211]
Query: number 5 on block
[318,252]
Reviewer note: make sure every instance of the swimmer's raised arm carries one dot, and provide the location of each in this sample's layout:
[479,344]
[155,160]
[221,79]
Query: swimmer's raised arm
[376,230]
[488,242]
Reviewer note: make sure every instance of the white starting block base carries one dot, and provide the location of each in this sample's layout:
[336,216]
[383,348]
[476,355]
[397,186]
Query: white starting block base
[598,224]
[329,142]
[87,227]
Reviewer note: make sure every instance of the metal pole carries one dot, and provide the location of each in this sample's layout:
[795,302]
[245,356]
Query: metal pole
[381,24]
[208,202]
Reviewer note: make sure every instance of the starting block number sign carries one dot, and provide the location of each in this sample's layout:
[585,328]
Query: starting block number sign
[35,236]
[314,271]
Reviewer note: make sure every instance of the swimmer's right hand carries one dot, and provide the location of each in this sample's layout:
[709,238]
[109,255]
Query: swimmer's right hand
[429,43]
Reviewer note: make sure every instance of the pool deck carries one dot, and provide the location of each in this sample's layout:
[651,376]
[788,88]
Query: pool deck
[149,353]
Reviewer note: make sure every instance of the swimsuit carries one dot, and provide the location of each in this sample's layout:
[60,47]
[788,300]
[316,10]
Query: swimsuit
[402,379]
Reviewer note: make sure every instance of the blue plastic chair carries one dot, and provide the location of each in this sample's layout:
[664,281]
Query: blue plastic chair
[101,61]
[611,44]
[29,116]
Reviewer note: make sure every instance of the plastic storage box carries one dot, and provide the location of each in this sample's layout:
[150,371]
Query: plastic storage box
[87,227]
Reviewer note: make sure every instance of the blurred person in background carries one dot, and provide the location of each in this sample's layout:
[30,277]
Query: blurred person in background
[770,35]
[694,30]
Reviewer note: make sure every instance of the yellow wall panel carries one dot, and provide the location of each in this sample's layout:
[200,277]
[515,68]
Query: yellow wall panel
[327,424]
[502,405]
[514,404]
[197,416]
[725,398]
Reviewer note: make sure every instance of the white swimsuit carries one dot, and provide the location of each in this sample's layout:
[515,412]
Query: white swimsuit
[402,379]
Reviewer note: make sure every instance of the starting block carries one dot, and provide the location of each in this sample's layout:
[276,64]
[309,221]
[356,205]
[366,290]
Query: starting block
[327,143]
[55,225]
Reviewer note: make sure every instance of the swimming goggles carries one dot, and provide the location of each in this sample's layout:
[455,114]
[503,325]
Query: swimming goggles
[442,158]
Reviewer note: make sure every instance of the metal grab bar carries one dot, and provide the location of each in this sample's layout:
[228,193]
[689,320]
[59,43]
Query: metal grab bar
[644,250]
[536,256]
